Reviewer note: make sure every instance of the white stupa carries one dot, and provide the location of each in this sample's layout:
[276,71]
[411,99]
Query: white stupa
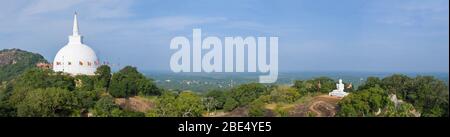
[339,91]
[76,58]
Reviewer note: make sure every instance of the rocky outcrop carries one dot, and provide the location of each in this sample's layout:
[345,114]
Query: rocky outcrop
[14,61]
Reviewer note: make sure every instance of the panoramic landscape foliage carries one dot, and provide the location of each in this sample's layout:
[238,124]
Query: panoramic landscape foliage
[30,91]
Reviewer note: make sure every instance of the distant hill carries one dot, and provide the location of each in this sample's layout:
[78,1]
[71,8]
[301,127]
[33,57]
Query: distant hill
[15,61]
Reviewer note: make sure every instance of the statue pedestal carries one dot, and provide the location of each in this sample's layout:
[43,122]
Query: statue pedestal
[338,93]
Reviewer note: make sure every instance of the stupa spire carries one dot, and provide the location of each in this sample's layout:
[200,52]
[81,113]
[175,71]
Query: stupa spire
[75,37]
[75,25]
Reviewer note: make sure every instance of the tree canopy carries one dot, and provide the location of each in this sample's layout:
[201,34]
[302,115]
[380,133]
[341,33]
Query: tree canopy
[49,102]
[129,82]
[102,76]
[246,93]
[316,85]
[185,104]
[425,95]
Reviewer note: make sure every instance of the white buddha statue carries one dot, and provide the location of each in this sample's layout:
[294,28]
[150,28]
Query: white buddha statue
[339,91]
[340,86]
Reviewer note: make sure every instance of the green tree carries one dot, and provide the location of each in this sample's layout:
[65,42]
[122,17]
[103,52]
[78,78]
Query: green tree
[84,82]
[316,85]
[230,104]
[34,78]
[218,96]
[147,87]
[246,93]
[256,108]
[129,82]
[44,78]
[88,99]
[49,102]
[370,82]
[189,105]
[119,85]
[186,104]
[61,80]
[165,105]
[397,84]
[429,95]
[6,109]
[102,77]
[284,94]
[105,107]
[403,110]
[322,85]
[301,86]
[210,104]
[368,102]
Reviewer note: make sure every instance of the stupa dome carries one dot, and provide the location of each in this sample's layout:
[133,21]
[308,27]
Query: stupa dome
[76,58]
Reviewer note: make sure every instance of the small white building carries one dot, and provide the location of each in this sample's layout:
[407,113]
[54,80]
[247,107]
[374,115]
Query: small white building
[76,58]
[339,91]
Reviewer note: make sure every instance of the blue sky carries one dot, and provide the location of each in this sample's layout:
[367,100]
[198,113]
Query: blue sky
[314,35]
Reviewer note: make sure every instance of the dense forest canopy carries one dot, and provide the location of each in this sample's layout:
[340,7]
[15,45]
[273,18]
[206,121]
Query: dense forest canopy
[28,91]
[42,92]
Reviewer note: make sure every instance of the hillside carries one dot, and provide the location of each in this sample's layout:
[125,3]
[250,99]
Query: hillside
[15,61]
[316,106]
[319,106]
[135,103]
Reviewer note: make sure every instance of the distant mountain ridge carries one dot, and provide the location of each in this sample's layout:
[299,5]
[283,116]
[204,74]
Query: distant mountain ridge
[15,61]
